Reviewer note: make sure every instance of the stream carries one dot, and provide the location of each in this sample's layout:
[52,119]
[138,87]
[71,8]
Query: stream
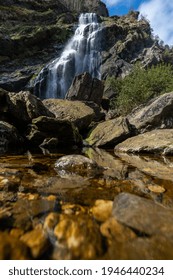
[124,213]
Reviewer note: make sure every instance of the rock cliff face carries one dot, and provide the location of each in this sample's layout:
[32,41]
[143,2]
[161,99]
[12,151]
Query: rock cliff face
[33,33]
[95,6]
[126,40]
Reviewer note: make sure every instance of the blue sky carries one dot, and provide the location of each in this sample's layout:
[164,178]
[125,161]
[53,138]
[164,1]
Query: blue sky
[158,12]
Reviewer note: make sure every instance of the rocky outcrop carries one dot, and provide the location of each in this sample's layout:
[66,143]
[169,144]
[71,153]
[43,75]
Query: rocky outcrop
[76,112]
[92,6]
[157,113]
[127,40]
[156,141]
[110,133]
[86,88]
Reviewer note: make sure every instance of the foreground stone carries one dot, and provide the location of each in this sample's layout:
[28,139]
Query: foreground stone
[77,164]
[157,113]
[76,112]
[110,133]
[143,215]
[154,248]
[62,132]
[12,249]
[37,241]
[80,235]
[156,141]
[86,88]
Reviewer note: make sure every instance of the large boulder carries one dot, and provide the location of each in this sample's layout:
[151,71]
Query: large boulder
[143,215]
[86,88]
[110,133]
[43,129]
[10,140]
[156,141]
[76,112]
[20,108]
[157,113]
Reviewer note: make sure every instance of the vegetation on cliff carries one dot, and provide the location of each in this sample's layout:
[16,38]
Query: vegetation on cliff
[140,86]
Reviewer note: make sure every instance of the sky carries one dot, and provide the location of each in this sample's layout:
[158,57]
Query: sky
[158,12]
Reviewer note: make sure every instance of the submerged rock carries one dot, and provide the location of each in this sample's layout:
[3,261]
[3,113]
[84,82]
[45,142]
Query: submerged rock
[37,241]
[80,235]
[12,249]
[102,210]
[77,164]
[156,141]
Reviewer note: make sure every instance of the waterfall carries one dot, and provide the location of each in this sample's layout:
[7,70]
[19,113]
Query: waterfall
[81,54]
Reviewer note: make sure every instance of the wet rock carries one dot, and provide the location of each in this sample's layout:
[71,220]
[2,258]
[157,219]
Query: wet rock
[154,248]
[151,171]
[16,232]
[12,248]
[156,141]
[143,215]
[46,127]
[86,88]
[156,189]
[81,236]
[37,241]
[24,211]
[102,210]
[76,112]
[155,167]
[5,213]
[110,133]
[77,164]
[10,139]
[115,231]
[113,166]
[51,221]
[157,113]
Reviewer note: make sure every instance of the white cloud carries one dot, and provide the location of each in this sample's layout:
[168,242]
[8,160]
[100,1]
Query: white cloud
[160,15]
[110,3]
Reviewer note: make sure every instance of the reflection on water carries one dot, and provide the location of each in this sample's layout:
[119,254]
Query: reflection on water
[63,217]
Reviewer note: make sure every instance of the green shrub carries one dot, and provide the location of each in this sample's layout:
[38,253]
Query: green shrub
[141,85]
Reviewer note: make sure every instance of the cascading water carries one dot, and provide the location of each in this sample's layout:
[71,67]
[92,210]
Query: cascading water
[82,54]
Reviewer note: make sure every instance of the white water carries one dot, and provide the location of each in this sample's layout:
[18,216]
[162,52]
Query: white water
[81,54]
